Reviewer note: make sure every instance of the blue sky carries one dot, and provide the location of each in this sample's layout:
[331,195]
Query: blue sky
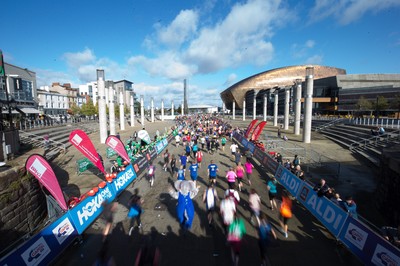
[211,43]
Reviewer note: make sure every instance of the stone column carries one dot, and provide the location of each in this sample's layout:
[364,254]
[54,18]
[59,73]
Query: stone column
[308,104]
[142,110]
[132,111]
[182,109]
[297,110]
[121,111]
[265,107]
[254,106]
[162,110]
[286,115]
[276,108]
[152,110]
[111,110]
[102,105]
[172,109]
[244,110]
[233,110]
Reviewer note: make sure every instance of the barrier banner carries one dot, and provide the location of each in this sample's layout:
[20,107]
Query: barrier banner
[140,164]
[82,142]
[291,182]
[44,247]
[116,144]
[250,128]
[87,211]
[250,146]
[270,163]
[38,166]
[123,179]
[258,155]
[367,245]
[159,146]
[257,131]
[152,153]
[331,215]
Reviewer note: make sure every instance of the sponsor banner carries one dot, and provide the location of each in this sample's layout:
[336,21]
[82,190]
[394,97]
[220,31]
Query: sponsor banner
[331,215]
[270,163]
[370,247]
[165,142]
[116,144]
[152,153]
[238,137]
[90,208]
[291,182]
[83,143]
[42,171]
[140,164]
[43,247]
[250,146]
[258,130]
[123,179]
[144,135]
[259,155]
[159,146]
[250,128]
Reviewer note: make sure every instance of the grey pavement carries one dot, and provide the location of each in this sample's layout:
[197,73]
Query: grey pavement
[308,242]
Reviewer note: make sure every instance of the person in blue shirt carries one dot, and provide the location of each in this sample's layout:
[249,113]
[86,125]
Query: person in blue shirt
[195,149]
[350,206]
[183,159]
[212,172]
[180,175]
[193,168]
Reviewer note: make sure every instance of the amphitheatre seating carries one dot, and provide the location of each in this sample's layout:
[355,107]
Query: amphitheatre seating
[59,136]
[360,141]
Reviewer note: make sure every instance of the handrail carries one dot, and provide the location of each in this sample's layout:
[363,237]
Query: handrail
[332,123]
[375,139]
[39,138]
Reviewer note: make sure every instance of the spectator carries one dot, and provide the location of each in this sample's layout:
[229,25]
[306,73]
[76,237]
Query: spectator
[279,158]
[322,188]
[336,199]
[392,234]
[350,206]
[296,160]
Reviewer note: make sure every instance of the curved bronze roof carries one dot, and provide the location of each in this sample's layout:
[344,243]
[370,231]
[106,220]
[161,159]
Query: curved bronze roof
[278,77]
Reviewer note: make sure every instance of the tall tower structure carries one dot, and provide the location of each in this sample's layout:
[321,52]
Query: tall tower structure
[185,104]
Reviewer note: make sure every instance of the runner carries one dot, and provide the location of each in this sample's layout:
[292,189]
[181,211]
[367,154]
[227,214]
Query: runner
[166,160]
[151,173]
[285,212]
[199,157]
[193,168]
[231,177]
[212,172]
[233,149]
[223,142]
[180,175]
[239,174]
[249,170]
[210,197]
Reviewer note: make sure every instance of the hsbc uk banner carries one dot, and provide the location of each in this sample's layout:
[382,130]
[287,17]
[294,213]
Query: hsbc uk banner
[43,248]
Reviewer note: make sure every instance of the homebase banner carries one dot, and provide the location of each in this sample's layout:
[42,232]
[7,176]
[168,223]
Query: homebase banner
[45,246]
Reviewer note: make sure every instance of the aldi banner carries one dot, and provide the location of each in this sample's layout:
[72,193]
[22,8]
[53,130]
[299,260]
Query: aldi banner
[367,245]
[331,215]
[82,142]
[123,180]
[44,247]
[87,211]
[116,144]
[291,182]
[38,166]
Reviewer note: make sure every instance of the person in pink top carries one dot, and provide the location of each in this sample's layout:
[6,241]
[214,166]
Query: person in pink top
[240,174]
[231,177]
[249,170]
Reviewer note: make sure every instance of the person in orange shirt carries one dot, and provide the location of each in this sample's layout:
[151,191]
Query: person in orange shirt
[285,212]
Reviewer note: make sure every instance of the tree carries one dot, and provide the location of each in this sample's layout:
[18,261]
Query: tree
[381,104]
[395,104]
[88,108]
[364,104]
[75,109]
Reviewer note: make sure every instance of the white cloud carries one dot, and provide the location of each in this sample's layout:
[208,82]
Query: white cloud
[45,77]
[301,50]
[230,80]
[181,28]
[348,11]
[314,60]
[79,58]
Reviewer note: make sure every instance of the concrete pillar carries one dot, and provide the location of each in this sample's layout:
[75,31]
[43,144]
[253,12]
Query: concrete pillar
[233,110]
[152,110]
[244,110]
[121,111]
[182,109]
[142,110]
[265,107]
[276,108]
[297,110]
[286,115]
[254,106]
[111,110]
[172,109]
[162,110]
[102,105]
[308,105]
[132,111]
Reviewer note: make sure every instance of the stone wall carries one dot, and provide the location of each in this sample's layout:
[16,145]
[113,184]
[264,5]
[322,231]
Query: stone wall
[387,198]
[22,206]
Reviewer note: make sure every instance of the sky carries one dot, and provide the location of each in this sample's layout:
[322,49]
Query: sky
[213,44]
